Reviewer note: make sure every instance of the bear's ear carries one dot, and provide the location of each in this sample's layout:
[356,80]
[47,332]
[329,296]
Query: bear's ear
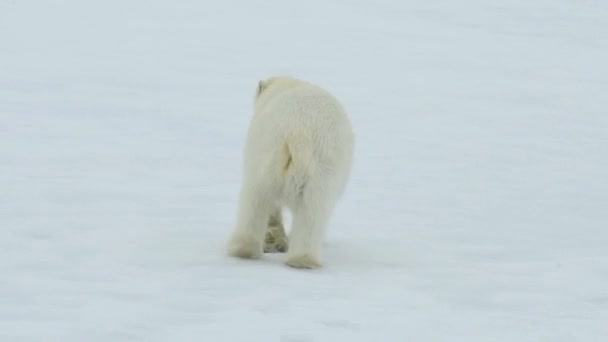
[261,87]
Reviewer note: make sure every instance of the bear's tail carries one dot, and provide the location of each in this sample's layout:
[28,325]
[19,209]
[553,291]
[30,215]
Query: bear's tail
[297,163]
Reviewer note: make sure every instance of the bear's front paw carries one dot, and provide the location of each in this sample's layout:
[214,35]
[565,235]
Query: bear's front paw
[245,248]
[303,261]
[276,241]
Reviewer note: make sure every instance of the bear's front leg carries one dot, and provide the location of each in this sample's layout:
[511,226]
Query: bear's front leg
[276,240]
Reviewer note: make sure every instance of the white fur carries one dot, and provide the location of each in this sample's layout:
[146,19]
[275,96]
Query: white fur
[298,155]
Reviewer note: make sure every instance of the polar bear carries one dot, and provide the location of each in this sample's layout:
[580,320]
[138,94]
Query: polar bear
[298,156]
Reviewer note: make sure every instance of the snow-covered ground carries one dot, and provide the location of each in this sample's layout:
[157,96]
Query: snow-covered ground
[477,209]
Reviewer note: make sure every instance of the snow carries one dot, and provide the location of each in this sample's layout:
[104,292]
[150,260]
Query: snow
[477,208]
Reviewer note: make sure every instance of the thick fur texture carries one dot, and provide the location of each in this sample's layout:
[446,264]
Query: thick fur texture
[298,156]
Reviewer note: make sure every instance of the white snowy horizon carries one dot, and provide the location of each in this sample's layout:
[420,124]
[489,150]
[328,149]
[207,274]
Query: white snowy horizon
[477,209]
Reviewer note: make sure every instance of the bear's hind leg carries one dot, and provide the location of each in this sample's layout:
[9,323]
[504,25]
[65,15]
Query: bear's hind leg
[310,217]
[255,207]
[276,240]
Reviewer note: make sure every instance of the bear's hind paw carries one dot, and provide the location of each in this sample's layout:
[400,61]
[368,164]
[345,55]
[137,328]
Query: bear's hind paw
[244,249]
[303,261]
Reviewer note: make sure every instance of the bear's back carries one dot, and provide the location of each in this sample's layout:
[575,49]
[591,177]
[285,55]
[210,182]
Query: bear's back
[293,106]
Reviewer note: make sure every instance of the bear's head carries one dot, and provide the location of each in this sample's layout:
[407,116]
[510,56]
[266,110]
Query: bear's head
[276,83]
[272,87]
